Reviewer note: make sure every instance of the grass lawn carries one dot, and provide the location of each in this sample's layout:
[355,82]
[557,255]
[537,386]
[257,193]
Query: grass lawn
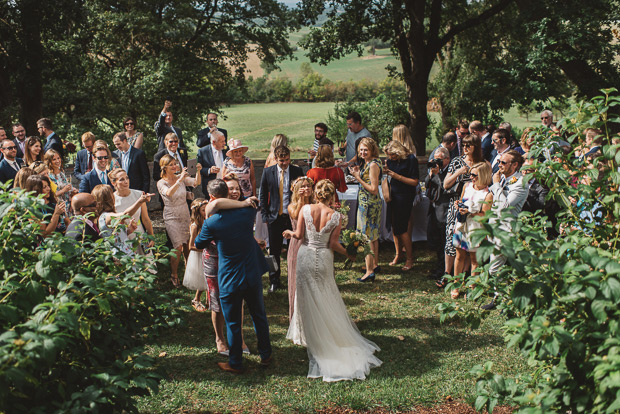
[424,362]
[256,124]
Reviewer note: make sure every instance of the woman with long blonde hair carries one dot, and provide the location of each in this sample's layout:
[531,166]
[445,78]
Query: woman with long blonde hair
[401,134]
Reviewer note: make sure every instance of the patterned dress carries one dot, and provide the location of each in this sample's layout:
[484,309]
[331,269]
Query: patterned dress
[369,206]
[243,173]
[455,164]
[61,181]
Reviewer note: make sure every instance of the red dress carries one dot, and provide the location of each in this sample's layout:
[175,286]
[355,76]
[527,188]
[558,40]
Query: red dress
[333,174]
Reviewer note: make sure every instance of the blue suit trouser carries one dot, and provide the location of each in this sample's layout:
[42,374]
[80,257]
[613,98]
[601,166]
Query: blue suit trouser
[232,304]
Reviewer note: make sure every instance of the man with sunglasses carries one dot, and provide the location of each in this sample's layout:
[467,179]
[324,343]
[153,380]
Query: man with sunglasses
[501,142]
[509,193]
[10,164]
[83,226]
[99,173]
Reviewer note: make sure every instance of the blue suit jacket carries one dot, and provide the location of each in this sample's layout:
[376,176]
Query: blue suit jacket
[138,171]
[240,260]
[487,148]
[203,139]
[54,142]
[81,164]
[205,158]
[90,181]
[269,190]
[7,172]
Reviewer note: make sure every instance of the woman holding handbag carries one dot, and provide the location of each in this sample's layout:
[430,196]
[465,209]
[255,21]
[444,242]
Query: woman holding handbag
[402,168]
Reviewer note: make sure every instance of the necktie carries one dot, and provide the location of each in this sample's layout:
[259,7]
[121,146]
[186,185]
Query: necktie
[178,157]
[103,180]
[90,162]
[218,159]
[281,192]
[502,183]
[15,166]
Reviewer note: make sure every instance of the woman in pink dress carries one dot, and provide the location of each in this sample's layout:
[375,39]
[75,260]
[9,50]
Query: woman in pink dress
[302,195]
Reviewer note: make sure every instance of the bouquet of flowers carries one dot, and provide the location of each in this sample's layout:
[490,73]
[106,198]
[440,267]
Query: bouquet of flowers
[343,209]
[356,243]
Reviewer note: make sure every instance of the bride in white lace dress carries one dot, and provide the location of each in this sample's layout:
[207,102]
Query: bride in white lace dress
[336,349]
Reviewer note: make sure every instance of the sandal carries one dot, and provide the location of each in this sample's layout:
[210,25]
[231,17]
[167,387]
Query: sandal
[441,283]
[198,306]
[175,280]
[408,267]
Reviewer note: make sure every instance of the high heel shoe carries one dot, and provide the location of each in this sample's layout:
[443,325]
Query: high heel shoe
[370,277]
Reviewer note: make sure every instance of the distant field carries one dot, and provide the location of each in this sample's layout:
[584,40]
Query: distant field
[256,124]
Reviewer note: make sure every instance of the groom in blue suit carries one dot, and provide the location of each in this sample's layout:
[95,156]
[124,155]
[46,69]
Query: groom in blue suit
[241,265]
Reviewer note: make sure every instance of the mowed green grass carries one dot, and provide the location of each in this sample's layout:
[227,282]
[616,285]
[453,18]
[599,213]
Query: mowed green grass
[256,124]
[424,361]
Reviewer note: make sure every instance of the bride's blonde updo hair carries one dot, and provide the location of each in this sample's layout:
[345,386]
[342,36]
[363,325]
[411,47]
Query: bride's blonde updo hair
[324,191]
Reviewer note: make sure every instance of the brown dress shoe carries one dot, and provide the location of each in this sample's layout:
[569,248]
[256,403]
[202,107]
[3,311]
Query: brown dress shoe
[267,362]
[225,366]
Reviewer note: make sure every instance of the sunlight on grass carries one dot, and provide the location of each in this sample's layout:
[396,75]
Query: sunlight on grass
[423,361]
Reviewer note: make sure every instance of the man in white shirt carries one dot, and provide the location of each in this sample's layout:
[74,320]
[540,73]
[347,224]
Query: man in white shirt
[10,165]
[501,142]
[99,173]
[164,126]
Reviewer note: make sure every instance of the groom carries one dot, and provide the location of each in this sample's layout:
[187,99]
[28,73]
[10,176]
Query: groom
[241,265]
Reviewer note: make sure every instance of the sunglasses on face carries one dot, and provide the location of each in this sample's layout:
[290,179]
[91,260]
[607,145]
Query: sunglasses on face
[129,123]
[173,142]
[104,157]
[544,117]
[467,145]
[10,148]
[505,162]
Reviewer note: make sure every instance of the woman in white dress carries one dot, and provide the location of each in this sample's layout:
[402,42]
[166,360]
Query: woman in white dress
[336,349]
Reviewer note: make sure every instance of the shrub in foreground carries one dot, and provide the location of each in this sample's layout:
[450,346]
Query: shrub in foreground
[73,317]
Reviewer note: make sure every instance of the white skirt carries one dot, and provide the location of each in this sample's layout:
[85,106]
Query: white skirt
[194,278]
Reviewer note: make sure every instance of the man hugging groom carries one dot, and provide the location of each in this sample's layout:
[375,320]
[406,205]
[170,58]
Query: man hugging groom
[241,266]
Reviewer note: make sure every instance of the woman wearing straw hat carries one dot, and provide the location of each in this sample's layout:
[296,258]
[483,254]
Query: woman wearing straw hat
[236,162]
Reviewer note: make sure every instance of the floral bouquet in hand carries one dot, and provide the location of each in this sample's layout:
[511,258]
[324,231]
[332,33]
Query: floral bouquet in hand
[356,244]
[343,208]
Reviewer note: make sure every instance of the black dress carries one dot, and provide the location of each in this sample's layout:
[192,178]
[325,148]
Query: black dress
[399,209]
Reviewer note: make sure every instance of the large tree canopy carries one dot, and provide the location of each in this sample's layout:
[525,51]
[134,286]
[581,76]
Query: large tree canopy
[97,61]
[512,48]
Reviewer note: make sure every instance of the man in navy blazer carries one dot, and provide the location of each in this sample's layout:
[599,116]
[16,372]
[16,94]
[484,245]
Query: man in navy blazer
[204,135]
[164,126]
[212,159]
[241,265]
[273,208]
[99,173]
[85,159]
[10,164]
[133,161]
[53,141]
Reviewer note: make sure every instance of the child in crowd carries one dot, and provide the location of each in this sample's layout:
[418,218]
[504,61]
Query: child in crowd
[194,271]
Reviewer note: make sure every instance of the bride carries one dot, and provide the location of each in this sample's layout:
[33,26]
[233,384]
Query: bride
[336,349]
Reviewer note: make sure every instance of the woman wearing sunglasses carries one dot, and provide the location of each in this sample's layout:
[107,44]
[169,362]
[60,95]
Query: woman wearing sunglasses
[134,137]
[457,177]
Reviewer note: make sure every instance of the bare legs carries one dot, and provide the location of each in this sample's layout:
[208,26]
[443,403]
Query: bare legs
[371,259]
[218,324]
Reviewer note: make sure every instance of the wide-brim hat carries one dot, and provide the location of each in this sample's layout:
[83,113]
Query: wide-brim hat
[235,144]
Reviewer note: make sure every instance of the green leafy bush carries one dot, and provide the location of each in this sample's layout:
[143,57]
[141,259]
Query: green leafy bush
[73,317]
[561,297]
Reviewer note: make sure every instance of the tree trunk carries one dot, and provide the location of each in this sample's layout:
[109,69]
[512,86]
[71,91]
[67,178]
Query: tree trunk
[417,97]
[30,83]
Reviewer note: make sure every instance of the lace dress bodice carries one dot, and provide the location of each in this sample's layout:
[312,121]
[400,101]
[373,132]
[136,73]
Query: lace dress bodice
[318,239]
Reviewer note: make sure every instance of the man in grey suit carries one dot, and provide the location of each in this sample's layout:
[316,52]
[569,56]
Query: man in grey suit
[212,159]
[509,193]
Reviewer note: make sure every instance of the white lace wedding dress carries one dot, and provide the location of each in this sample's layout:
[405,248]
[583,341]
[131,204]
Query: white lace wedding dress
[336,349]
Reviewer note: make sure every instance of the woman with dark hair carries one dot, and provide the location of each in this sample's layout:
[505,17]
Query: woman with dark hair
[325,169]
[134,137]
[33,150]
[54,219]
[402,167]
[456,179]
